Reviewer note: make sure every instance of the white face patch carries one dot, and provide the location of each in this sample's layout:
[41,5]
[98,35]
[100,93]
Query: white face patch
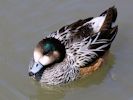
[37,55]
[41,60]
[45,60]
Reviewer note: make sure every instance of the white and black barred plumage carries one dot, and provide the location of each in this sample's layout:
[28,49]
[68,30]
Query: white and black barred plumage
[89,41]
[85,41]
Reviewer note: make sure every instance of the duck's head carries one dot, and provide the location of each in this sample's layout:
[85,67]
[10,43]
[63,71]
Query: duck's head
[48,51]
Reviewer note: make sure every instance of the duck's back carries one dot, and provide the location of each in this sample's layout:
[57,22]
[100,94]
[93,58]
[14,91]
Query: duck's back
[74,32]
[91,38]
[81,29]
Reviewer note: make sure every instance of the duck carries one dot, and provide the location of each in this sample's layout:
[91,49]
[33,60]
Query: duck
[74,49]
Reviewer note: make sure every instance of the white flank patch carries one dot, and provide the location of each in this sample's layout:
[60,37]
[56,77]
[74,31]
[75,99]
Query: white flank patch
[97,23]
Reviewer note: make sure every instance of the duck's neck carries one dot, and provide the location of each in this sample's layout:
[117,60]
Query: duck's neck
[61,72]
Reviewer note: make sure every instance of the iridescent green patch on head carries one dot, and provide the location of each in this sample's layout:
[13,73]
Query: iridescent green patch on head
[49,47]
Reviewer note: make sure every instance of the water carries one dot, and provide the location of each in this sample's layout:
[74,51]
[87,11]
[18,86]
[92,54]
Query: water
[24,22]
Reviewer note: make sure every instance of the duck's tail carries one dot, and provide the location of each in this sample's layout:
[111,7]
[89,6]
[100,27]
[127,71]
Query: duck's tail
[111,15]
[105,20]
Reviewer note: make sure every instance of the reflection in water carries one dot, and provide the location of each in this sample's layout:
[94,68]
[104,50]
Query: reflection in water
[58,92]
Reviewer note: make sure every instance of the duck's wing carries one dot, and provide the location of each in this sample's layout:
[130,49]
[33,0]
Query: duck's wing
[85,27]
[67,33]
[91,48]
[98,41]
